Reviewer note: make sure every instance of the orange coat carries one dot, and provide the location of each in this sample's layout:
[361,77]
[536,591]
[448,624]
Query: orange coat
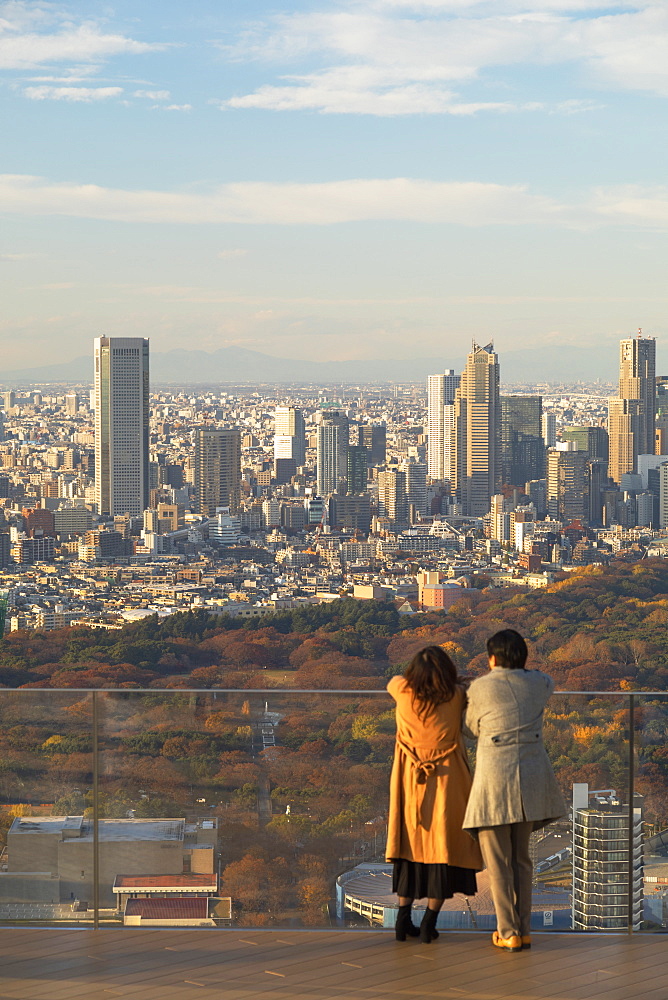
[430,784]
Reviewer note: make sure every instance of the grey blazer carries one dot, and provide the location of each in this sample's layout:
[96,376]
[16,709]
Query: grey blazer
[513,780]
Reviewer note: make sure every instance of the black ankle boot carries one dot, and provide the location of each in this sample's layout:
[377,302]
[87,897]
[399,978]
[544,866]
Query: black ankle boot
[404,925]
[428,932]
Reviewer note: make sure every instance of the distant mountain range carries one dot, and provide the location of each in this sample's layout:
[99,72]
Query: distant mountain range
[238,365]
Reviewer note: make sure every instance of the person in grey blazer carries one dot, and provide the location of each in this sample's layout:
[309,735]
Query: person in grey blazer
[514,789]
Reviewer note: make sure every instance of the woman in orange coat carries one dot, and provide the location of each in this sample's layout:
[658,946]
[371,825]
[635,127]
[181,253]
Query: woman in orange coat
[429,789]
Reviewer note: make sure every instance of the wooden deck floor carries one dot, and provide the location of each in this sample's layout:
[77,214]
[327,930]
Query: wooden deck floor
[67,964]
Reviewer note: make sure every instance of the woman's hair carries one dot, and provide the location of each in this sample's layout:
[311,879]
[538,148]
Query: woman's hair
[432,677]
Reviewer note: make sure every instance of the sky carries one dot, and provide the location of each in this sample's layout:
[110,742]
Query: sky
[332,179]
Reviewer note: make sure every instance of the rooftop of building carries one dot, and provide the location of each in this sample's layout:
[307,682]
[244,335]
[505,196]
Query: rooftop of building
[109,829]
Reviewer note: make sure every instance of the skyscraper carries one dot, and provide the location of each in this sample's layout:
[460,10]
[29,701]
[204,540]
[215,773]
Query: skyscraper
[637,380]
[625,431]
[476,435]
[332,450]
[522,448]
[441,391]
[374,439]
[121,425]
[217,469]
[632,414]
[289,423]
[568,485]
[392,499]
[357,469]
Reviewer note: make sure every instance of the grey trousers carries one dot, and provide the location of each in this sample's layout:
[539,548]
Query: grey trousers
[505,851]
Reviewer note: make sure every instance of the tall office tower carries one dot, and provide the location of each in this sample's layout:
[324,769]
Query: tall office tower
[332,451]
[662,476]
[121,425]
[661,423]
[217,469]
[601,847]
[549,429]
[374,439]
[71,404]
[593,440]
[637,380]
[416,486]
[567,485]
[441,391]
[625,431]
[522,448]
[632,415]
[392,500]
[8,400]
[357,469]
[476,435]
[598,474]
[289,423]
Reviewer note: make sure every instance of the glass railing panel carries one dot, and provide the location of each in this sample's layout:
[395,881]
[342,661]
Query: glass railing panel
[651,787]
[254,809]
[46,807]
[256,802]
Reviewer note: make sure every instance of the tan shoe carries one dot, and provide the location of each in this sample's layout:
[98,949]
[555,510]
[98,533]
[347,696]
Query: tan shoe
[513,943]
[526,941]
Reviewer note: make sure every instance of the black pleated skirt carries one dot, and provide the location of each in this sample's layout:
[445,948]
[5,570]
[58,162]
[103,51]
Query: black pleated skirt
[416,880]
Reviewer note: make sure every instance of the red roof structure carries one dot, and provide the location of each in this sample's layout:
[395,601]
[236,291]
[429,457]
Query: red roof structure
[190,908]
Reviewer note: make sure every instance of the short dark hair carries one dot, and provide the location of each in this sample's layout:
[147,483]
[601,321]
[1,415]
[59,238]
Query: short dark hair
[508,649]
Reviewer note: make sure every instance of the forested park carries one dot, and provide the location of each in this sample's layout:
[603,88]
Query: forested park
[298,810]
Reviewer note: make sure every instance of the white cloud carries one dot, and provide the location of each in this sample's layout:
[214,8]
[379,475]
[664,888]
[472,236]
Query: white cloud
[395,57]
[320,204]
[175,107]
[84,43]
[153,95]
[82,94]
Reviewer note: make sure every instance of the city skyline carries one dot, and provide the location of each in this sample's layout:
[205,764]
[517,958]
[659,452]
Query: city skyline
[332,181]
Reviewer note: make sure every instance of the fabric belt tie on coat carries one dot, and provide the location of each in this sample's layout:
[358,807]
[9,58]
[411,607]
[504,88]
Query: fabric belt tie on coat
[421,770]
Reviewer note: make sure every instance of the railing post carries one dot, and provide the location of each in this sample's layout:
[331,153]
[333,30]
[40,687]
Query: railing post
[631,793]
[96,817]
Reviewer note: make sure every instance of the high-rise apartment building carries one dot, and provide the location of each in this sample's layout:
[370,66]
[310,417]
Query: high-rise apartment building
[549,429]
[416,487]
[332,451]
[217,469]
[392,500]
[476,435]
[632,415]
[290,434]
[601,861]
[121,425]
[441,391]
[567,485]
[522,448]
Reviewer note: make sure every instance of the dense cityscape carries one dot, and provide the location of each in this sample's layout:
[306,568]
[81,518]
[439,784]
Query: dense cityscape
[128,500]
